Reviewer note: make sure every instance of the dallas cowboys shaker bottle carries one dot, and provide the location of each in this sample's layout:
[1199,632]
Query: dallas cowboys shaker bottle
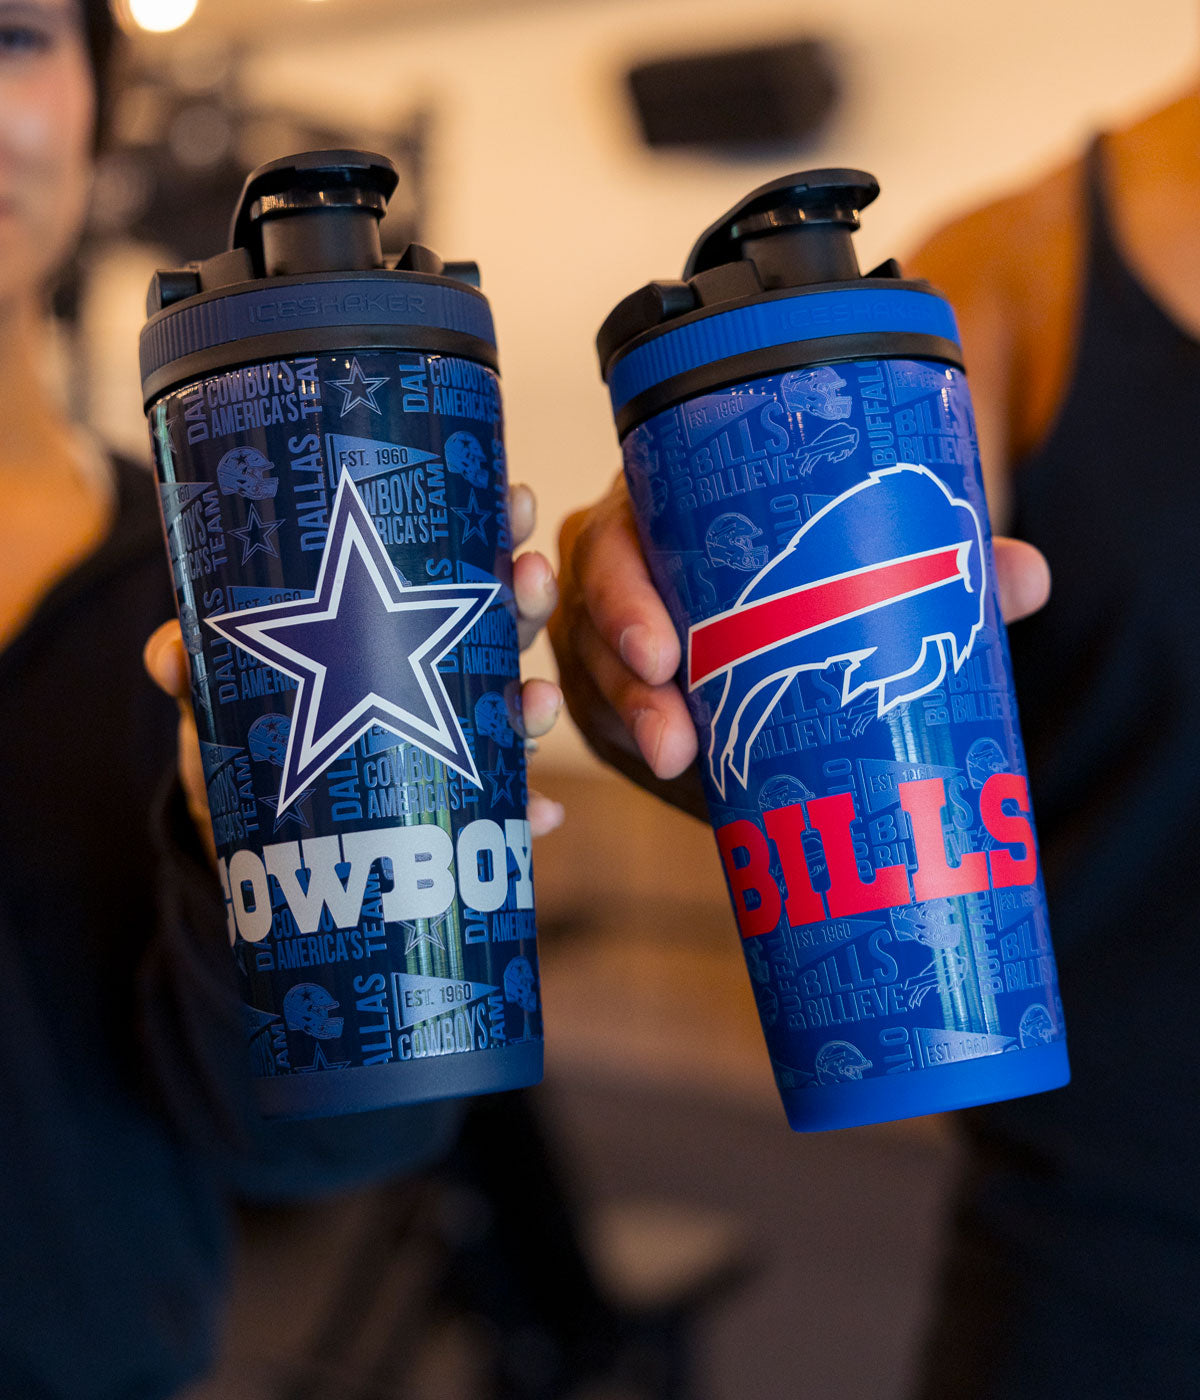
[327,432]
[800,451]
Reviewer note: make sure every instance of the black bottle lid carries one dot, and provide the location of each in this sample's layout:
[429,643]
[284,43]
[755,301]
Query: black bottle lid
[305,273]
[314,212]
[792,232]
[795,230]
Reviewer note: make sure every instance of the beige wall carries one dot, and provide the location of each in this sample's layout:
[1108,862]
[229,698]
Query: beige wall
[538,175]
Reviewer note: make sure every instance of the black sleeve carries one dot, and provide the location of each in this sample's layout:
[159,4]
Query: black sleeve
[191,1014]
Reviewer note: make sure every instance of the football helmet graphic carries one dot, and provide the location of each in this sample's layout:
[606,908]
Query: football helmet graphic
[816,391]
[243,471]
[730,541]
[465,457]
[839,1062]
[306,1008]
[518,984]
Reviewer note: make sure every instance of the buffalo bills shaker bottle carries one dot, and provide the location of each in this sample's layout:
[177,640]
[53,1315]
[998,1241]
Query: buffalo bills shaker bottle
[800,451]
[327,431]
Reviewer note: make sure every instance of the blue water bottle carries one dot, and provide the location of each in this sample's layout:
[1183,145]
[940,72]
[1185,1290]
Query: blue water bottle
[327,431]
[800,451]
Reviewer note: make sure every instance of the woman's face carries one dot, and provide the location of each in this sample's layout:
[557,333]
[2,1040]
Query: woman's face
[47,111]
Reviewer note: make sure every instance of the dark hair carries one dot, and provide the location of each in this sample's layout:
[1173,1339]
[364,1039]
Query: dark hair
[100,35]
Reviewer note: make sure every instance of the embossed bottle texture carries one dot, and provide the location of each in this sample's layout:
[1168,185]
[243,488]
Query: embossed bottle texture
[859,745]
[338,532]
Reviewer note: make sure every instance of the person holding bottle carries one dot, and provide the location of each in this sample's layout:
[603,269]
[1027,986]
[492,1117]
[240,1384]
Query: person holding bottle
[1074,1256]
[126,1127]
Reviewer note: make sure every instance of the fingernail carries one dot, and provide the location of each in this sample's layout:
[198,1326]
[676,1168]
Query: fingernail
[521,497]
[551,817]
[648,729]
[637,649]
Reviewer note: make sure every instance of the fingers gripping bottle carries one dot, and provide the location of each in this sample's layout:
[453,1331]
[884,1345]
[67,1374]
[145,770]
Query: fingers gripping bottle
[327,431]
[800,450]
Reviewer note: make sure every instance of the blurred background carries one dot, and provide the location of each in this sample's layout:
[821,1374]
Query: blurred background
[575,149]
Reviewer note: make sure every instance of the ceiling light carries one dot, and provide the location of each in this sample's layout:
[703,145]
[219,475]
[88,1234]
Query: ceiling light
[160,16]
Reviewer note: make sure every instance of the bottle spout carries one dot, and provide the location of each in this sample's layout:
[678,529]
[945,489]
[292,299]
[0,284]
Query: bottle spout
[315,212]
[796,230]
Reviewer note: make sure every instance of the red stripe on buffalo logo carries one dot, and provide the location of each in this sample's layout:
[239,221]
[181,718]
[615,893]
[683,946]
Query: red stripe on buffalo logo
[721,642]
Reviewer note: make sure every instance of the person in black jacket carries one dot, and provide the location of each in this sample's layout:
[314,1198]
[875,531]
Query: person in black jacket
[1073,1264]
[126,1128]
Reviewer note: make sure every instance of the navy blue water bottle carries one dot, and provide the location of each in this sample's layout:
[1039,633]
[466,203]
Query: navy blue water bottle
[800,450]
[327,431]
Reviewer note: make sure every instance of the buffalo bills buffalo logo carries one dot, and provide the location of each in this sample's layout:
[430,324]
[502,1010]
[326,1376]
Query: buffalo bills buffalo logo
[883,580]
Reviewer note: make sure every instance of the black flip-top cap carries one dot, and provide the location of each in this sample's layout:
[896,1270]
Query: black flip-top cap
[311,182]
[306,274]
[793,232]
[832,197]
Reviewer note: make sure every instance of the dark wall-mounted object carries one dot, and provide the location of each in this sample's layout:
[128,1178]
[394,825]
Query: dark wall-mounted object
[736,100]
[178,157]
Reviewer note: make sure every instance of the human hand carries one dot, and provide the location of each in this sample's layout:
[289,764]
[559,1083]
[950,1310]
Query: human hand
[536,593]
[618,652]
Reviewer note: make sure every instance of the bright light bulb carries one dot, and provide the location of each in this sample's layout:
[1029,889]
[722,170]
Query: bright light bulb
[160,16]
